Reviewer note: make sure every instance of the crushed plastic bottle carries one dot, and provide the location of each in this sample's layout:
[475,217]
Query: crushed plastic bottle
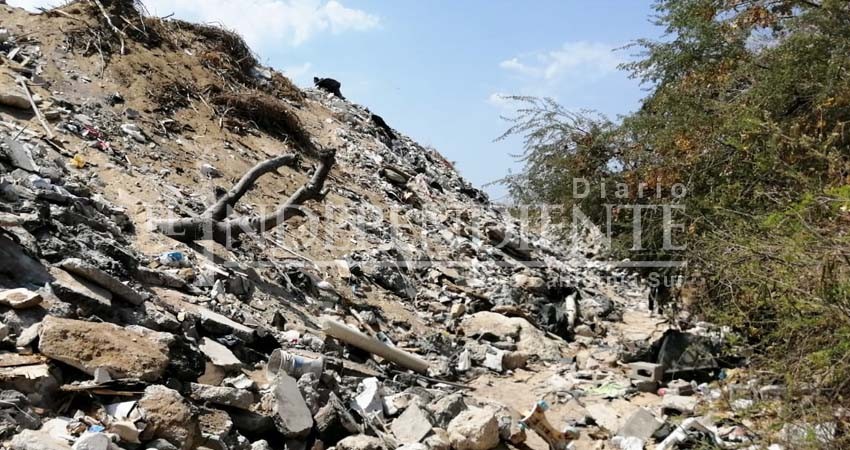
[174,259]
[294,365]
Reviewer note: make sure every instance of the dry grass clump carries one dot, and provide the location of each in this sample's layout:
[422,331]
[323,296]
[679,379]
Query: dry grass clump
[268,113]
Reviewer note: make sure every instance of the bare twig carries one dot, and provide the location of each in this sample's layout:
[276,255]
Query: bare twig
[117,31]
[35,109]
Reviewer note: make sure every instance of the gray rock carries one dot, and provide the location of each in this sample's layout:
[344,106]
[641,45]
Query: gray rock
[293,418]
[360,442]
[226,396]
[219,355]
[446,409]
[105,280]
[79,291]
[642,424]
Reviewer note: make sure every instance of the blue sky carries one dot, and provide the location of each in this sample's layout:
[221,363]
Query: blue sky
[435,69]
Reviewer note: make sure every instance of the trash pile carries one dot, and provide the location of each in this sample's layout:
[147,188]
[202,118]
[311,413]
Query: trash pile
[400,310]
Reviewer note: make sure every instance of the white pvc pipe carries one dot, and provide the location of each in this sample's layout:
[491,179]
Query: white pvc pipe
[356,338]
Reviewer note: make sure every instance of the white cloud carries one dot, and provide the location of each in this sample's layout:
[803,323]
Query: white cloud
[581,59]
[264,23]
[267,23]
[300,74]
[499,100]
[33,4]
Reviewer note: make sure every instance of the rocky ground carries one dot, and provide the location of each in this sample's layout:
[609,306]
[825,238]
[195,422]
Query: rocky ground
[117,336]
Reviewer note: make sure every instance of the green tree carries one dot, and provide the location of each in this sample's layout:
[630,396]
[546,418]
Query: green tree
[749,108]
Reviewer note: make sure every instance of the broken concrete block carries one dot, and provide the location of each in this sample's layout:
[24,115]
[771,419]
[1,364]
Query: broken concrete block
[20,298]
[446,409]
[293,418]
[105,280]
[679,387]
[474,429]
[169,416]
[394,404]
[360,442]
[77,290]
[124,352]
[642,424]
[28,335]
[646,371]
[645,386]
[215,323]
[214,423]
[219,355]
[412,425]
[370,398]
[14,99]
[438,440]
[226,396]
[604,415]
[678,405]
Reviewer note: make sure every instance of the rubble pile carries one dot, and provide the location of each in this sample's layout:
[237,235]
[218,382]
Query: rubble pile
[403,310]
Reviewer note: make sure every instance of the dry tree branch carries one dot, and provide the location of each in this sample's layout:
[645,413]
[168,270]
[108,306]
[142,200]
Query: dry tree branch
[213,223]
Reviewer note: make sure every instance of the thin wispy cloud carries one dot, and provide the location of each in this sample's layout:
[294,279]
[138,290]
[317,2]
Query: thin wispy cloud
[581,59]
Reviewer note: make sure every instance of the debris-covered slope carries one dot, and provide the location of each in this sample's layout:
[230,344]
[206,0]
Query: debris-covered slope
[397,307]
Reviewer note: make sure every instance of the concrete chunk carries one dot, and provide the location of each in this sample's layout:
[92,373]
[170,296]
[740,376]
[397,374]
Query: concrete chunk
[678,404]
[646,371]
[124,352]
[226,396]
[219,355]
[20,298]
[412,425]
[170,417]
[474,429]
[107,281]
[642,424]
[77,290]
[293,417]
